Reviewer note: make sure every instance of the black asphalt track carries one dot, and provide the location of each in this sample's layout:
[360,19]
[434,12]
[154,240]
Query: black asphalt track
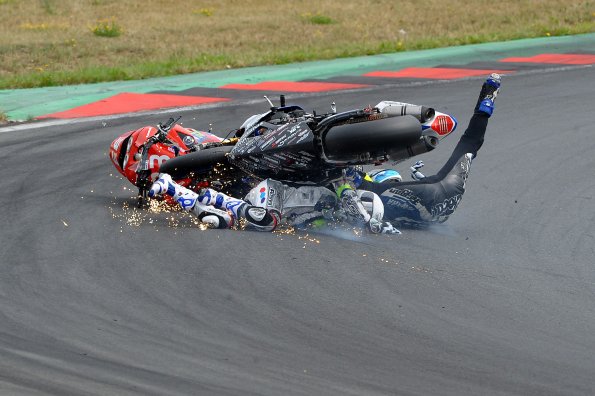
[97,299]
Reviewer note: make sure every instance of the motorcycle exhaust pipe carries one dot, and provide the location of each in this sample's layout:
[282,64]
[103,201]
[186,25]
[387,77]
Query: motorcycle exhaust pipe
[396,109]
[374,136]
[423,145]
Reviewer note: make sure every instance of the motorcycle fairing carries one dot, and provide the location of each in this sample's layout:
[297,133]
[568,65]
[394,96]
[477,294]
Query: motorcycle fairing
[276,149]
[124,149]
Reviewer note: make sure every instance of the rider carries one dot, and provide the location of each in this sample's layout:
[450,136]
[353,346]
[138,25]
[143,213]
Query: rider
[433,199]
[271,201]
[374,199]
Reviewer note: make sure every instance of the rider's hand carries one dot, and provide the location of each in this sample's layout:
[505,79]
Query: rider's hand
[380,227]
[388,228]
[415,173]
[375,226]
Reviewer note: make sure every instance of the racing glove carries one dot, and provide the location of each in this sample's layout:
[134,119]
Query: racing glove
[415,173]
[382,227]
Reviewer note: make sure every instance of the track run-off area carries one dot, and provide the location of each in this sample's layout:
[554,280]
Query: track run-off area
[98,298]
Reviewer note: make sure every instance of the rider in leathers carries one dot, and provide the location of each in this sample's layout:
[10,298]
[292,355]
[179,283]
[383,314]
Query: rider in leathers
[434,198]
[272,201]
[356,198]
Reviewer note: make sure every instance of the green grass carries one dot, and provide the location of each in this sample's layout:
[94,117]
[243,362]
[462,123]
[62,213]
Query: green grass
[317,19]
[48,7]
[51,42]
[106,28]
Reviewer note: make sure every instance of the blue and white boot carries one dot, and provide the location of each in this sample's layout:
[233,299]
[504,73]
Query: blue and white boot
[182,195]
[254,217]
[208,196]
[188,200]
[488,94]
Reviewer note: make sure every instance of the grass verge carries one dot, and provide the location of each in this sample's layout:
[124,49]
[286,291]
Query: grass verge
[57,42]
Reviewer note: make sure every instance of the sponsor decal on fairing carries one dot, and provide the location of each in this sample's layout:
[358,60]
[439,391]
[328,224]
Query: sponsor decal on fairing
[155,161]
[266,143]
[302,138]
[117,142]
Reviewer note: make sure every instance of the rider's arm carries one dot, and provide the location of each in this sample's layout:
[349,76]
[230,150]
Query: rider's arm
[351,203]
[361,206]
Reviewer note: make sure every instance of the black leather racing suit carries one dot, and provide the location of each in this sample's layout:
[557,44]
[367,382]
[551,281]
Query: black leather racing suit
[434,198]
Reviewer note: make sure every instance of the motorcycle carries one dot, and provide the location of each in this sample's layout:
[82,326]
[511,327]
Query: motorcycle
[285,143]
[139,154]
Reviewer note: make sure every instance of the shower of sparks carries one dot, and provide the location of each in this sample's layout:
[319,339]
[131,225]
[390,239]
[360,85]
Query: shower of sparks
[156,214]
[308,238]
[285,230]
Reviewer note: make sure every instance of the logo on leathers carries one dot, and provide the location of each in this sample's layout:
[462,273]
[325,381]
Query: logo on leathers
[263,194]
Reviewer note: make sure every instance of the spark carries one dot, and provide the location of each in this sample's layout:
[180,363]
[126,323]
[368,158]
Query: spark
[65,223]
[309,238]
[174,216]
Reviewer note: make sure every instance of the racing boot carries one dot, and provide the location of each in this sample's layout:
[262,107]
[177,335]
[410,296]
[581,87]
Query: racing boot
[253,217]
[165,185]
[489,91]
[214,217]
[188,200]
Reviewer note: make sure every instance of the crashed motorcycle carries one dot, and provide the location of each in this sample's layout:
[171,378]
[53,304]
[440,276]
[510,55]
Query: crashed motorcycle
[285,143]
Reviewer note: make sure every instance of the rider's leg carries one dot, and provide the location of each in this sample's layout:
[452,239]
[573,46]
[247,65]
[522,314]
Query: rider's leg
[473,137]
[257,218]
[434,198]
[215,208]
[188,200]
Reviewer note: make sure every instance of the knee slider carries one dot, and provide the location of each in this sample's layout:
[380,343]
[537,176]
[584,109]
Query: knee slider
[261,219]
[215,217]
[372,203]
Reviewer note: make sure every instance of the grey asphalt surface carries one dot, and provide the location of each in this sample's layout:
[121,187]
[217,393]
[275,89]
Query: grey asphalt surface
[98,299]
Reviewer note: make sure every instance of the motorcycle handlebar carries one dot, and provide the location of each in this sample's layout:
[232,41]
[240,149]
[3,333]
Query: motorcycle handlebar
[163,129]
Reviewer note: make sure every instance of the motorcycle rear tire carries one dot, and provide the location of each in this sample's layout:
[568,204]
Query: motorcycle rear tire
[199,161]
[383,135]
